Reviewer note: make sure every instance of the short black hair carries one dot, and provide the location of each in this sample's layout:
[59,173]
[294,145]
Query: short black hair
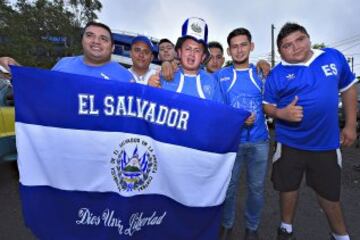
[287,29]
[237,32]
[99,24]
[215,44]
[164,40]
[178,43]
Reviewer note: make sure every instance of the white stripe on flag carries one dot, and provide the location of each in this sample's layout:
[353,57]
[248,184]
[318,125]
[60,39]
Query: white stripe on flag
[71,159]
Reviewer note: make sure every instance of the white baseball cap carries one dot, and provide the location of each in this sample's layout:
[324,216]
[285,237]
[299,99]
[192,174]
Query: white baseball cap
[196,29]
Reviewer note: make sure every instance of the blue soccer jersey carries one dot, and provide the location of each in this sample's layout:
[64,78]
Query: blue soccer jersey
[242,88]
[203,85]
[109,71]
[317,84]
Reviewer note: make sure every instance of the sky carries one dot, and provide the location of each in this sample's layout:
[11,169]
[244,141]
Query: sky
[333,22]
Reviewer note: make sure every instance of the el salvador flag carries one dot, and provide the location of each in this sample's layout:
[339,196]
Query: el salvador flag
[102,159]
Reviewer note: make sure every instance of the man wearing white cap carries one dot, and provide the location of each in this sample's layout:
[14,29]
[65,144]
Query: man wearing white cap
[141,56]
[190,79]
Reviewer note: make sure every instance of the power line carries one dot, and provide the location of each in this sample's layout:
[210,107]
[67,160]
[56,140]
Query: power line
[344,41]
[352,54]
[354,45]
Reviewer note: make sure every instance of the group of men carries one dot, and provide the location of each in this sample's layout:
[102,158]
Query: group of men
[301,93]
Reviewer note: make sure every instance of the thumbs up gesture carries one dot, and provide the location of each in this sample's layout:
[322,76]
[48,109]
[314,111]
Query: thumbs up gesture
[154,79]
[293,112]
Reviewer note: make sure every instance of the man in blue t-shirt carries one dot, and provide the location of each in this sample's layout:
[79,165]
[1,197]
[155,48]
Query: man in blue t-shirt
[98,44]
[242,88]
[301,93]
[190,79]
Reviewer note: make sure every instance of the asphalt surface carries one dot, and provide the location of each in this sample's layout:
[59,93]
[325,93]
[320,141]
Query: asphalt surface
[310,222]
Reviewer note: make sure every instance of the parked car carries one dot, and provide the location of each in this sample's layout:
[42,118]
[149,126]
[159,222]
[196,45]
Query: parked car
[7,122]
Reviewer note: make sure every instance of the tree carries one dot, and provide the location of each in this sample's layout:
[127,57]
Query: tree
[6,12]
[319,45]
[38,33]
[84,10]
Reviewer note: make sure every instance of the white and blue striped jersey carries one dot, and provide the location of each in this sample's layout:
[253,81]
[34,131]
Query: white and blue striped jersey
[317,84]
[242,89]
[202,85]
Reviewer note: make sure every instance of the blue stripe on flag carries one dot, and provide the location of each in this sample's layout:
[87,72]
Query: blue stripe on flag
[83,215]
[51,98]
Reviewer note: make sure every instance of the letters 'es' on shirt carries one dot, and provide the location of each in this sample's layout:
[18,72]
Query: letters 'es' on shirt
[317,84]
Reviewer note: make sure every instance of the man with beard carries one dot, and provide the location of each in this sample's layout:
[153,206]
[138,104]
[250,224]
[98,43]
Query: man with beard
[242,88]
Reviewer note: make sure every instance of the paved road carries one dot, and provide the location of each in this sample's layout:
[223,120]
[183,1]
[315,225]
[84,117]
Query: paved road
[310,222]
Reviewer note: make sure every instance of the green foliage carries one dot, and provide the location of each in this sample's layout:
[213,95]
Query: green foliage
[38,33]
[319,45]
[84,10]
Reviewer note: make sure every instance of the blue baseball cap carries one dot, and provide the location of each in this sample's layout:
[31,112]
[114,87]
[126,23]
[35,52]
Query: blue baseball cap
[143,39]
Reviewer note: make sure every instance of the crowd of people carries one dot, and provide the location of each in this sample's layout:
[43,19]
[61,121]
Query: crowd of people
[301,93]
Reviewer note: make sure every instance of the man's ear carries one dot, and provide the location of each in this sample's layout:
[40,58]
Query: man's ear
[179,53]
[228,52]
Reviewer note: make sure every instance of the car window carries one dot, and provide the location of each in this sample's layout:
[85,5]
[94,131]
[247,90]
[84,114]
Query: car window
[6,93]
[6,108]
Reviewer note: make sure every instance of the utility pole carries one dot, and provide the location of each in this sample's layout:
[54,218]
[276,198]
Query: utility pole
[351,63]
[272,46]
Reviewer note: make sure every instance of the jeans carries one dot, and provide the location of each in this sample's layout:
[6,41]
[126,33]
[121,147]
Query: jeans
[255,157]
